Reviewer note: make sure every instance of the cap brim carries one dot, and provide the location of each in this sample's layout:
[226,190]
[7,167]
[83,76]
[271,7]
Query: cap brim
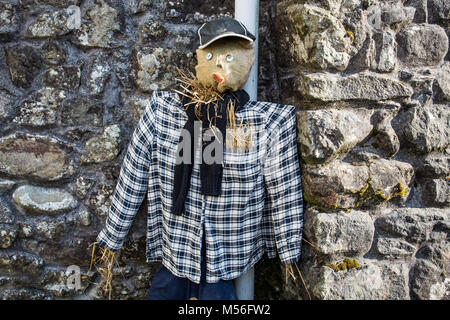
[224,36]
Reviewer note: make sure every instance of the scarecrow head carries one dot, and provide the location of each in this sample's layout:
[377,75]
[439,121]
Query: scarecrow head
[225,55]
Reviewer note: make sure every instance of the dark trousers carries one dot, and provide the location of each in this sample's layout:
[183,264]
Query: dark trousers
[166,286]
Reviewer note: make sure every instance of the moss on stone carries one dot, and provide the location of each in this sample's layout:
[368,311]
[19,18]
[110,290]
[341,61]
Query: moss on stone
[347,264]
[318,203]
[402,192]
[351,263]
[334,206]
[381,195]
[363,193]
[310,199]
[364,189]
[333,266]
[351,35]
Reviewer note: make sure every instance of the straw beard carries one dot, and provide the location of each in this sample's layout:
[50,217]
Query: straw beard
[198,93]
[239,136]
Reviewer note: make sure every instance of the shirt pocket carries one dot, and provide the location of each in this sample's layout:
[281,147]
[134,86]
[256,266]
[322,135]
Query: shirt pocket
[167,144]
[241,169]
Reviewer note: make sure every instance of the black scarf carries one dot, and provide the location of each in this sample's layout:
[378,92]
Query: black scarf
[210,174]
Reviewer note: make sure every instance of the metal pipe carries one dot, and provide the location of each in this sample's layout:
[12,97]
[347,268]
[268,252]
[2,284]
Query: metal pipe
[247,12]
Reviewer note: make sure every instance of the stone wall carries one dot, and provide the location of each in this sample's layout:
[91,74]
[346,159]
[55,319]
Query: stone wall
[70,97]
[371,84]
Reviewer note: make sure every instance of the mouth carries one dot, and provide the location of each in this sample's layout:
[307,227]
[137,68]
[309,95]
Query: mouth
[218,77]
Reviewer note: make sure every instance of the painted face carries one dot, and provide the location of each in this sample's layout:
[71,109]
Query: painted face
[225,64]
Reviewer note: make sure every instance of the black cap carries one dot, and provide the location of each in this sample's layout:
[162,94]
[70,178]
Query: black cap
[221,28]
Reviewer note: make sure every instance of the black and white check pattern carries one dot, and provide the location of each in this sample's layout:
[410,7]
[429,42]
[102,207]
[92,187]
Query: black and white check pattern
[260,208]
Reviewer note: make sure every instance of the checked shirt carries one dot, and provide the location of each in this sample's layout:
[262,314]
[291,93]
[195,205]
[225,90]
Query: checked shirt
[259,211]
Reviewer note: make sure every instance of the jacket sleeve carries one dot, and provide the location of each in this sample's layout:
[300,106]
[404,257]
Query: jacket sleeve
[132,184]
[283,186]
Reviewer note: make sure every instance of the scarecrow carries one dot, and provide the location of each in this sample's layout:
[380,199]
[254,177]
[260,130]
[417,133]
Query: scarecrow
[220,171]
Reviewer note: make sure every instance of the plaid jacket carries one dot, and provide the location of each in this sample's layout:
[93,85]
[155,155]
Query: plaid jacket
[260,208]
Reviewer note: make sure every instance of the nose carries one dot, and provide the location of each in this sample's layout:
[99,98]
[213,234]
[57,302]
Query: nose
[219,62]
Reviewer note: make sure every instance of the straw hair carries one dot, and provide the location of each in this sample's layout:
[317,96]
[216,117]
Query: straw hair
[104,264]
[239,136]
[197,92]
[290,273]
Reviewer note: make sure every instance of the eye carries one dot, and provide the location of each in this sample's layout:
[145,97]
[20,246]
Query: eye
[208,56]
[229,57]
